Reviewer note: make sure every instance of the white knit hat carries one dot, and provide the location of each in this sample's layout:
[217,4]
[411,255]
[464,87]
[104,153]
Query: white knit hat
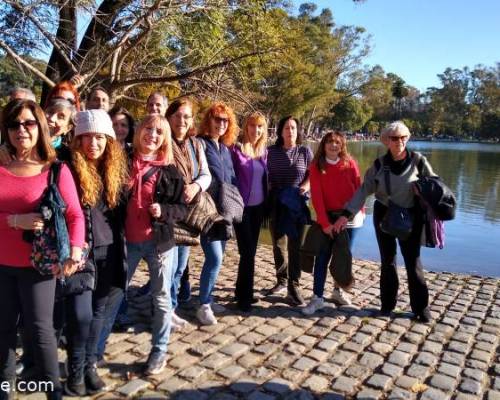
[95,121]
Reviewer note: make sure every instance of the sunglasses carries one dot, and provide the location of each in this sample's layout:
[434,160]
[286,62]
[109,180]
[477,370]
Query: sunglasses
[398,138]
[28,125]
[221,120]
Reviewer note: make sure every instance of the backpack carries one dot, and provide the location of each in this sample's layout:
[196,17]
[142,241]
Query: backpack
[51,245]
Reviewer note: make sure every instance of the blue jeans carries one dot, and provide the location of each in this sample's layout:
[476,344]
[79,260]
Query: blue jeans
[113,304]
[180,260]
[214,253]
[160,275]
[321,264]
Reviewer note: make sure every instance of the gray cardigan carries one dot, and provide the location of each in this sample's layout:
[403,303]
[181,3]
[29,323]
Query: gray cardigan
[401,185]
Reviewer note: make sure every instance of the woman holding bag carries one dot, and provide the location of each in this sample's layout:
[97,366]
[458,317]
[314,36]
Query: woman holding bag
[334,177]
[218,130]
[402,167]
[26,133]
[190,160]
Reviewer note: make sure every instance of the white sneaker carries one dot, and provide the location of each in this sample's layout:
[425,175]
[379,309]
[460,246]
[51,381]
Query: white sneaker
[316,303]
[179,321]
[175,328]
[218,308]
[205,315]
[339,298]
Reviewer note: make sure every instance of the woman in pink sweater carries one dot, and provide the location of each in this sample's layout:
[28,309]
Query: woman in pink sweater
[25,131]
[334,178]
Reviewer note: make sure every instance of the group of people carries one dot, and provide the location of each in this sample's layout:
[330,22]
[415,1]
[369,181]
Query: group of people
[153,190]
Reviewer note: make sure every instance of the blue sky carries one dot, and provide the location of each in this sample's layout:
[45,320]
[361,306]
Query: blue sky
[418,39]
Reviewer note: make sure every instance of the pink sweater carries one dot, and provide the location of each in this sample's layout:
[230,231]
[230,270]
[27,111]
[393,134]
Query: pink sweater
[21,195]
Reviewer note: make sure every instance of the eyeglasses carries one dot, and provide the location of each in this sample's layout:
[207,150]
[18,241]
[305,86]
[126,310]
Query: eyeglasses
[398,138]
[221,120]
[29,124]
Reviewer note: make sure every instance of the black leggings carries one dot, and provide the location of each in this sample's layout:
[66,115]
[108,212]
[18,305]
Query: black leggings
[410,249]
[247,236]
[75,311]
[24,289]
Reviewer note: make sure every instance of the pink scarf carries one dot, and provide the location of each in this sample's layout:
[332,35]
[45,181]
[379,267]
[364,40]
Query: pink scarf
[140,166]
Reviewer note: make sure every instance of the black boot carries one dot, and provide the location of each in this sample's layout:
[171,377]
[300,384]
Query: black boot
[294,296]
[93,381]
[75,385]
[56,394]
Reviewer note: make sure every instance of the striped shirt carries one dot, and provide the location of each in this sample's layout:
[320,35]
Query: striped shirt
[288,167]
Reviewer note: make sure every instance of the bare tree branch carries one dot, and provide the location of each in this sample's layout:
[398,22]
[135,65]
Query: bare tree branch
[25,63]
[196,71]
[27,12]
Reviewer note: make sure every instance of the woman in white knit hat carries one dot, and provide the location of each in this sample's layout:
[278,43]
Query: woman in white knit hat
[100,167]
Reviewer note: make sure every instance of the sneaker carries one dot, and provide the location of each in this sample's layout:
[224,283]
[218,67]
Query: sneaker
[175,328]
[294,296]
[277,290]
[424,316]
[205,315]
[218,308]
[178,320]
[156,362]
[340,298]
[316,303]
[93,381]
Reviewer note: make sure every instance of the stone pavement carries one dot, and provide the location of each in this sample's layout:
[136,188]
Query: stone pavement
[275,352]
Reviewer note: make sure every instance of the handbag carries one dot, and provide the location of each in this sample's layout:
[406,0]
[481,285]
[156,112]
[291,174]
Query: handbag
[51,245]
[397,221]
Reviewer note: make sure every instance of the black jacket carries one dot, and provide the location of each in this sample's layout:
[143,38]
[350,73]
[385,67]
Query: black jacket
[169,194]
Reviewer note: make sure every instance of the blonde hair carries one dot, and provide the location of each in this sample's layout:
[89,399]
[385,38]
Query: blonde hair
[164,153]
[108,175]
[259,149]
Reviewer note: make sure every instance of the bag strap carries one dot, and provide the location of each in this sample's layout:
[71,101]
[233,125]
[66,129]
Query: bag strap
[55,171]
[149,174]
[387,178]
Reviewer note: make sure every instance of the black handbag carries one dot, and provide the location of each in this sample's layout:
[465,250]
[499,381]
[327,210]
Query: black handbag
[397,221]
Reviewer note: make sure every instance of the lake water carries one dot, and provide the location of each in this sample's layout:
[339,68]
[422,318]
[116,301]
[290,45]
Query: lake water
[472,171]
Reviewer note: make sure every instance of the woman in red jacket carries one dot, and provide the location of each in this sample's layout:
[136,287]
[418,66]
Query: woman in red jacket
[334,177]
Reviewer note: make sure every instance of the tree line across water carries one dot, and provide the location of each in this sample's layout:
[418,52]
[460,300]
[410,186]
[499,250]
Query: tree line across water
[256,54]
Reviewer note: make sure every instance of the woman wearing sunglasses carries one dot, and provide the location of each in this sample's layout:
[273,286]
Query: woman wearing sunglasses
[26,134]
[403,170]
[218,130]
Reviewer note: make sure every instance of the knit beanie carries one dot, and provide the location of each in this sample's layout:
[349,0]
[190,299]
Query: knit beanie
[94,121]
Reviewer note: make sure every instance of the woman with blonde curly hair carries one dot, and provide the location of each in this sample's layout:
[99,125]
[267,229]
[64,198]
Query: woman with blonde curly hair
[250,166]
[100,168]
[155,203]
[218,130]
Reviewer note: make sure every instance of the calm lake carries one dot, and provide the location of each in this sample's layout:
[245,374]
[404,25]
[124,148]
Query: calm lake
[472,171]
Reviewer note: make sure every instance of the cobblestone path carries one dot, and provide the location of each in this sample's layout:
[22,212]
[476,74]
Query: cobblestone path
[275,352]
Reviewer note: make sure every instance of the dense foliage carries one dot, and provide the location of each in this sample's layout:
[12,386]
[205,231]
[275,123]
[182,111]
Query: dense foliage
[255,54]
